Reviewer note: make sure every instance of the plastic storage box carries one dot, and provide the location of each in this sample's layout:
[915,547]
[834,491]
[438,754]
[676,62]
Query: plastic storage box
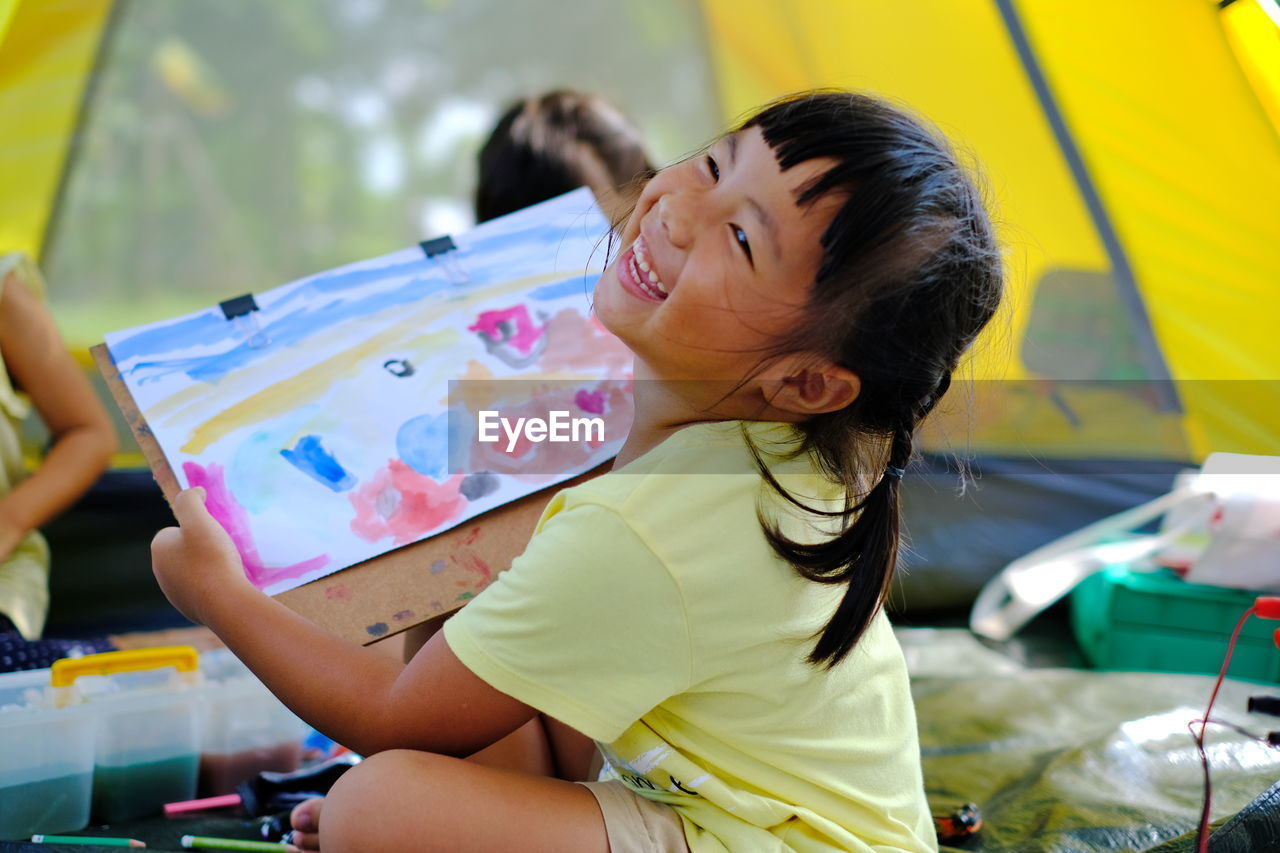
[246,729]
[1155,621]
[145,704]
[46,759]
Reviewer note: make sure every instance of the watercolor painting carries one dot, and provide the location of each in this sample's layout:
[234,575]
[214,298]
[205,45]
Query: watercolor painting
[326,427]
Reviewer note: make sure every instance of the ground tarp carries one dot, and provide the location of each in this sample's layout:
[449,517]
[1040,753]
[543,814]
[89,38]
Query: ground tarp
[1068,761]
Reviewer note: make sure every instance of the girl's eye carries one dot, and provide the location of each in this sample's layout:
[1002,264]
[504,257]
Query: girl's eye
[741,237]
[713,168]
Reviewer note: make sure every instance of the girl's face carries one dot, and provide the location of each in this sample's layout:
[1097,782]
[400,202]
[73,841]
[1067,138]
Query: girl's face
[718,262]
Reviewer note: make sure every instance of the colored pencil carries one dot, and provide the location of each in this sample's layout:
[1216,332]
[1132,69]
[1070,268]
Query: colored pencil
[87,840]
[206,843]
[222,802]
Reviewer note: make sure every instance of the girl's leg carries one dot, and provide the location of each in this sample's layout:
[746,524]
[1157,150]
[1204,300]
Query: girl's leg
[541,747]
[571,750]
[401,800]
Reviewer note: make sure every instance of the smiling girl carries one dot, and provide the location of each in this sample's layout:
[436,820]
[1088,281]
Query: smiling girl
[710,613]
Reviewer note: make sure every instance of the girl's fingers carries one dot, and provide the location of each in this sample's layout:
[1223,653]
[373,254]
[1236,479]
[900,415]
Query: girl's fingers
[164,539]
[199,528]
[189,509]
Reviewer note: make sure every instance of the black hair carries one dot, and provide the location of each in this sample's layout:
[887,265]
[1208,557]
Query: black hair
[545,146]
[910,274]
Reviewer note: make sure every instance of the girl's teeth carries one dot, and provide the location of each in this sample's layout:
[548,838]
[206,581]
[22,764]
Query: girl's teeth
[643,263]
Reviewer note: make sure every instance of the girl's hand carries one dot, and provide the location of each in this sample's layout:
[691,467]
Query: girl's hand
[196,562]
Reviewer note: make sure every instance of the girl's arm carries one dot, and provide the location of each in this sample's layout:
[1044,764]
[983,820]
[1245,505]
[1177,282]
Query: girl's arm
[360,698]
[83,438]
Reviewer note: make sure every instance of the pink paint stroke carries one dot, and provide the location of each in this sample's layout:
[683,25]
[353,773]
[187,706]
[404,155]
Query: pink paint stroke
[527,332]
[228,512]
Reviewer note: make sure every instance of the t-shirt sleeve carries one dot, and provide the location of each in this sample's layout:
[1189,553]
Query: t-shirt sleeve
[587,625]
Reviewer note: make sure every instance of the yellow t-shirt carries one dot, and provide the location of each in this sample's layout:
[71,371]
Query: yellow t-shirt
[649,613]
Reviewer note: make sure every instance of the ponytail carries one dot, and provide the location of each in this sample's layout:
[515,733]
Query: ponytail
[864,555]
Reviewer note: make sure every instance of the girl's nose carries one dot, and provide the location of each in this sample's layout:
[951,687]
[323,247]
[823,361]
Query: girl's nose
[674,216]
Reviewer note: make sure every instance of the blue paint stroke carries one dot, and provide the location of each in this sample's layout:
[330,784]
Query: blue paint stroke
[423,444]
[578,285]
[310,457]
[284,332]
[210,327]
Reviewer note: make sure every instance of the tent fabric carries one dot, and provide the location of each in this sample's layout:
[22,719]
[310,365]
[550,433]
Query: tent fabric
[1134,172]
[47,50]
[1253,28]
[954,543]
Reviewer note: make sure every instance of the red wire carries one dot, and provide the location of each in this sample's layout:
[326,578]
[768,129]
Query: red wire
[1202,836]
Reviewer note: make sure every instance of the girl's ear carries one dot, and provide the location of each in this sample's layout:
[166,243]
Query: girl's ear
[811,388]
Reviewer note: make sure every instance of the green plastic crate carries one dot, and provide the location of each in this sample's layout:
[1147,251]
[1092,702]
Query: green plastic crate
[1155,621]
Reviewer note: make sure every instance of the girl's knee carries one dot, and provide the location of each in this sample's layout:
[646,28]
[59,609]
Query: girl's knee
[379,776]
[358,803]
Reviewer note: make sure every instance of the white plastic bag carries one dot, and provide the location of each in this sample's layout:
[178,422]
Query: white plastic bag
[1239,546]
[1222,524]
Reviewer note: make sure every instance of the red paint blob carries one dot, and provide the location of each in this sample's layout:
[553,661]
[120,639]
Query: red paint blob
[403,504]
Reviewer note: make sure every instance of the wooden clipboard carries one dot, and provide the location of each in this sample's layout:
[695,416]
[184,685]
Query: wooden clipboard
[392,592]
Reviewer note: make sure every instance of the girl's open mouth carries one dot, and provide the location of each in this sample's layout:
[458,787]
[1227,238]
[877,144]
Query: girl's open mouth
[637,275]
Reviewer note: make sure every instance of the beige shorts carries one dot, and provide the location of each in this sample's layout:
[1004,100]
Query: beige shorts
[637,825]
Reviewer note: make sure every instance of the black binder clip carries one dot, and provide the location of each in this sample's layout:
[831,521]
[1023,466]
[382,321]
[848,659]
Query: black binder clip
[242,311]
[444,252]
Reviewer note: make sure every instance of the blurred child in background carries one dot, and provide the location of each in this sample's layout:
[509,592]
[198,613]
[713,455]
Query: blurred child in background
[548,145]
[34,361]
